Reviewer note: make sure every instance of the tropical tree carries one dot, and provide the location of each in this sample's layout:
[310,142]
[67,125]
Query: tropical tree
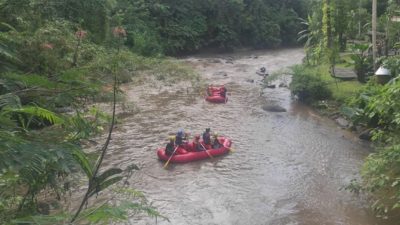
[312,36]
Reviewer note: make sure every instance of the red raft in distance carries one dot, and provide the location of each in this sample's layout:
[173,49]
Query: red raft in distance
[215,95]
[192,155]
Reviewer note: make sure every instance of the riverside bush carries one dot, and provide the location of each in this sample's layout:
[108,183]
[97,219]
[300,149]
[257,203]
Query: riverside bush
[381,177]
[378,107]
[308,87]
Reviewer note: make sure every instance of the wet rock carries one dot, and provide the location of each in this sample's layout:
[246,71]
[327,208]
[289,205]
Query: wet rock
[264,74]
[273,108]
[221,73]
[366,135]
[271,86]
[250,80]
[342,122]
[229,61]
[283,85]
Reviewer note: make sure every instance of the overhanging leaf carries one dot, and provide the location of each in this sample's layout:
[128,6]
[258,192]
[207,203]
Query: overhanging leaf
[83,162]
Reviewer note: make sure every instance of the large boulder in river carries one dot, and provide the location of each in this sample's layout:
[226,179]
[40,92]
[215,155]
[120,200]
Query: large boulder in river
[342,122]
[366,135]
[273,108]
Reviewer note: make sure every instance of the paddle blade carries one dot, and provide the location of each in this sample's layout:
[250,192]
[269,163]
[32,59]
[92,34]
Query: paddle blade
[166,164]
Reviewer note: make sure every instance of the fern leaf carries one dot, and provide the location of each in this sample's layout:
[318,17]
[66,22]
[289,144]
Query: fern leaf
[38,112]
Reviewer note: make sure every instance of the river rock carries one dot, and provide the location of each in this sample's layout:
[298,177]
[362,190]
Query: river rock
[283,85]
[271,86]
[273,108]
[250,80]
[342,122]
[220,73]
[366,135]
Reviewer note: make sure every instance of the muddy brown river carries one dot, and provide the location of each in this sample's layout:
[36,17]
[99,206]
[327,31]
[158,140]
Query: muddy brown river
[287,168]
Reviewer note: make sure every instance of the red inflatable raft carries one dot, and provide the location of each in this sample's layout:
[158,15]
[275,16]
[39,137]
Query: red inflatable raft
[190,155]
[215,94]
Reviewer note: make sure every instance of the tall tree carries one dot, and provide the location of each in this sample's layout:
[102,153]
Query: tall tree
[374,47]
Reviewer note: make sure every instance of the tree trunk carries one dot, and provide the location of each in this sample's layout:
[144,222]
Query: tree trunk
[374,47]
[328,24]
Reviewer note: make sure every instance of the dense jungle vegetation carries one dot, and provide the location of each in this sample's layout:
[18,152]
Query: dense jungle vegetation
[338,35]
[59,57]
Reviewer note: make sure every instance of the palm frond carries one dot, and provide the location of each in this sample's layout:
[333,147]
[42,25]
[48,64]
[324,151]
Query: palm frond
[37,112]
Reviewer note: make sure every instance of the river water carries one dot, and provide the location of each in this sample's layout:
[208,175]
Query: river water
[286,168]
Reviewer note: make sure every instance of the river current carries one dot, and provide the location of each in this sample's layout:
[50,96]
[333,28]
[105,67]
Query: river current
[287,168]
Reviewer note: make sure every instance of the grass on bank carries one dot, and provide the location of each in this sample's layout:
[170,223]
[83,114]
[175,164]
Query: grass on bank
[341,89]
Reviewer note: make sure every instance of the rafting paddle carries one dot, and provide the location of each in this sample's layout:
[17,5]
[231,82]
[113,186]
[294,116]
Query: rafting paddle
[166,164]
[206,151]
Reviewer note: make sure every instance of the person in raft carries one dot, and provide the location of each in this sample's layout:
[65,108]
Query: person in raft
[197,146]
[223,91]
[209,91]
[207,137]
[170,148]
[180,137]
[215,142]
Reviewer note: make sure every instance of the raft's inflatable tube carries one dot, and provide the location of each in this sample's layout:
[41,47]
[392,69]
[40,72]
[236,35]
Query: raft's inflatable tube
[192,155]
[217,99]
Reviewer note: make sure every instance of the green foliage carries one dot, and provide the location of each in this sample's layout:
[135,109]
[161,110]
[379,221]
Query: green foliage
[126,203]
[361,61]
[32,164]
[182,26]
[312,36]
[377,107]
[381,176]
[48,50]
[393,64]
[308,87]
[8,57]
